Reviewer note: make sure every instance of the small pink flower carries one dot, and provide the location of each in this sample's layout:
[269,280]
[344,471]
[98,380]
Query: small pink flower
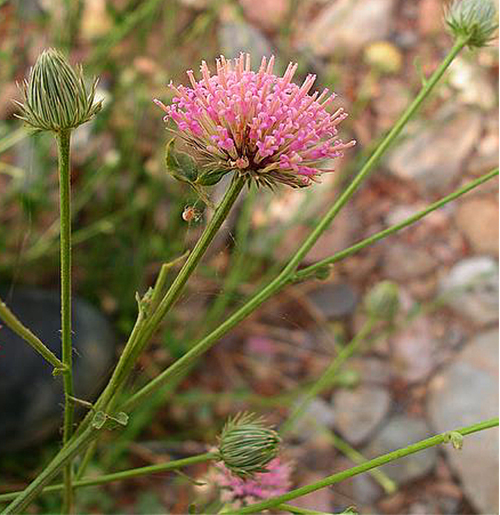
[239,116]
[238,491]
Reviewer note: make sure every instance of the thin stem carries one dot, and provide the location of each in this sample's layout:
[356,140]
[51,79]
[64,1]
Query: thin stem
[288,272]
[63,144]
[365,467]
[312,269]
[325,380]
[125,474]
[21,330]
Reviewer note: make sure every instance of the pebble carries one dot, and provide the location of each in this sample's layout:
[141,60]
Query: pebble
[334,300]
[401,431]
[403,262]
[466,392]
[414,351]
[310,425]
[237,36]
[349,25]
[358,412]
[433,155]
[30,397]
[268,14]
[471,289]
[477,219]
[472,82]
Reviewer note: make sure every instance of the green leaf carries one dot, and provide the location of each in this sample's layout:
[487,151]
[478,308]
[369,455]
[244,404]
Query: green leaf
[99,420]
[180,165]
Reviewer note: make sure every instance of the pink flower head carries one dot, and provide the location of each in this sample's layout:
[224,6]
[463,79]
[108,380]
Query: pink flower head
[257,123]
[238,491]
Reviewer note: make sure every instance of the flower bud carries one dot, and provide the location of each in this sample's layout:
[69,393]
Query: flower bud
[246,445]
[55,96]
[382,300]
[474,20]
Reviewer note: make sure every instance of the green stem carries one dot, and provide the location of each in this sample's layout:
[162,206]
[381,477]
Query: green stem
[63,457]
[125,474]
[63,145]
[312,269]
[131,353]
[21,330]
[287,274]
[325,380]
[364,467]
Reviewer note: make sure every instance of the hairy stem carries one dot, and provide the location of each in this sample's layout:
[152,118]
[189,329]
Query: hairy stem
[63,144]
[364,467]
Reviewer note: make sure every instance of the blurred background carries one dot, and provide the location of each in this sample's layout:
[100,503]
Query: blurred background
[433,369]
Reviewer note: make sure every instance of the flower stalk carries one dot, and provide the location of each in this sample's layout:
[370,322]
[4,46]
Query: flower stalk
[63,144]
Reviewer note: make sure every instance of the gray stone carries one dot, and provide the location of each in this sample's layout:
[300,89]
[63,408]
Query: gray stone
[464,393]
[30,397]
[471,289]
[348,25]
[358,412]
[477,219]
[238,36]
[318,415]
[407,262]
[414,351]
[401,431]
[334,300]
[433,155]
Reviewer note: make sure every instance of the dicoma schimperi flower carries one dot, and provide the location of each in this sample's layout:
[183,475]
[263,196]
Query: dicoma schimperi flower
[256,124]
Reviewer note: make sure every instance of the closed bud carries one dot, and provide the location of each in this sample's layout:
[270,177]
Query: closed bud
[473,20]
[247,445]
[55,95]
[382,300]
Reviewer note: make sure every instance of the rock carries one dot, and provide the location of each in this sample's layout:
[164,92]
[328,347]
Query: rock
[384,57]
[403,262]
[401,431]
[348,25]
[391,99]
[30,397]
[358,412]
[268,14]
[477,219]
[433,155]
[310,425]
[464,393]
[414,350]
[472,83]
[471,289]
[372,370]
[486,156]
[238,36]
[334,300]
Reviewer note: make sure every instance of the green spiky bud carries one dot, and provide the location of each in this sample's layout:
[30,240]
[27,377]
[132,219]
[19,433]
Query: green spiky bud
[247,445]
[55,95]
[382,301]
[473,20]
